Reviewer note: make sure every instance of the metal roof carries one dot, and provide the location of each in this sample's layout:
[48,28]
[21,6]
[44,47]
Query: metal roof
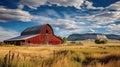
[21,37]
[32,30]
[28,33]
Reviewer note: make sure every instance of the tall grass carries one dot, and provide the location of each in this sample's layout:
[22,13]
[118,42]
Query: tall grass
[67,56]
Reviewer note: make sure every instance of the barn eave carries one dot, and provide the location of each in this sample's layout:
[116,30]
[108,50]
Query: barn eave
[21,37]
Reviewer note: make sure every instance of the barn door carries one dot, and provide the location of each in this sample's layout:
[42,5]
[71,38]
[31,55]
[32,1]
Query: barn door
[47,37]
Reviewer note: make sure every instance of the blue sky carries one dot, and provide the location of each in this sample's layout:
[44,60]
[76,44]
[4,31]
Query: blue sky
[65,16]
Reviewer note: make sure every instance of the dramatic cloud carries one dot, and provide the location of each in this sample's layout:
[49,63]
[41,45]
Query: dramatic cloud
[66,24]
[75,3]
[107,17]
[66,21]
[20,6]
[103,17]
[115,6]
[113,28]
[33,3]
[14,14]
[89,5]
[6,34]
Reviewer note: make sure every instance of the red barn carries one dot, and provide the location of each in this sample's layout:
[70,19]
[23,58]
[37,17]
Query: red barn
[36,35]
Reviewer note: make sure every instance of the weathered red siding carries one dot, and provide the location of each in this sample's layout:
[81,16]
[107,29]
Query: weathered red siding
[45,38]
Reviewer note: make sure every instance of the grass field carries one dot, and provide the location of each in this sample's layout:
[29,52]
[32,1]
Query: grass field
[87,55]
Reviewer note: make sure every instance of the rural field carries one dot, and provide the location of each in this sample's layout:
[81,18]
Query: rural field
[88,54]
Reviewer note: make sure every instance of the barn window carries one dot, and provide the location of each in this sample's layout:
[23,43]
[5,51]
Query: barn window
[46,31]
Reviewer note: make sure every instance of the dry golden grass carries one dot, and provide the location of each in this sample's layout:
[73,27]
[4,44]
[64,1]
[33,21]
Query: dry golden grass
[88,55]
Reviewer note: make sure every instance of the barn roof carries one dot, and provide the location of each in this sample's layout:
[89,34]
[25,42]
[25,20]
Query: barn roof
[28,33]
[21,37]
[32,30]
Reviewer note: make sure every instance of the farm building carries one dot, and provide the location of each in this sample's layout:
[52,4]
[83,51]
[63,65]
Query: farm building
[36,35]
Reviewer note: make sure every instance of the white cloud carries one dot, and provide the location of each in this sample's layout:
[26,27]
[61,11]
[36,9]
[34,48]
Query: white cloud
[65,24]
[20,6]
[33,3]
[36,3]
[113,28]
[90,5]
[94,26]
[42,19]
[103,17]
[14,14]
[107,17]
[91,31]
[75,3]
[51,12]
[115,6]
[6,34]
[100,19]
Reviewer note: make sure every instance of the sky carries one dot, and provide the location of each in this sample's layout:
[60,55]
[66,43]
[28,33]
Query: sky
[65,16]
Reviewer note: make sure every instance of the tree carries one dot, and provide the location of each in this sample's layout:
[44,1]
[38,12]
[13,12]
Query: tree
[64,39]
[100,41]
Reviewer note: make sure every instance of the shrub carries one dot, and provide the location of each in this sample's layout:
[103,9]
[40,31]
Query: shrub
[64,39]
[73,42]
[100,41]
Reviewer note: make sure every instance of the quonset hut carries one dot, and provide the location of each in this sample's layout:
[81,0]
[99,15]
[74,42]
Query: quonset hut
[36,35]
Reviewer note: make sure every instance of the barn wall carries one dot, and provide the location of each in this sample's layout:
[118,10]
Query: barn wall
[44,39]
